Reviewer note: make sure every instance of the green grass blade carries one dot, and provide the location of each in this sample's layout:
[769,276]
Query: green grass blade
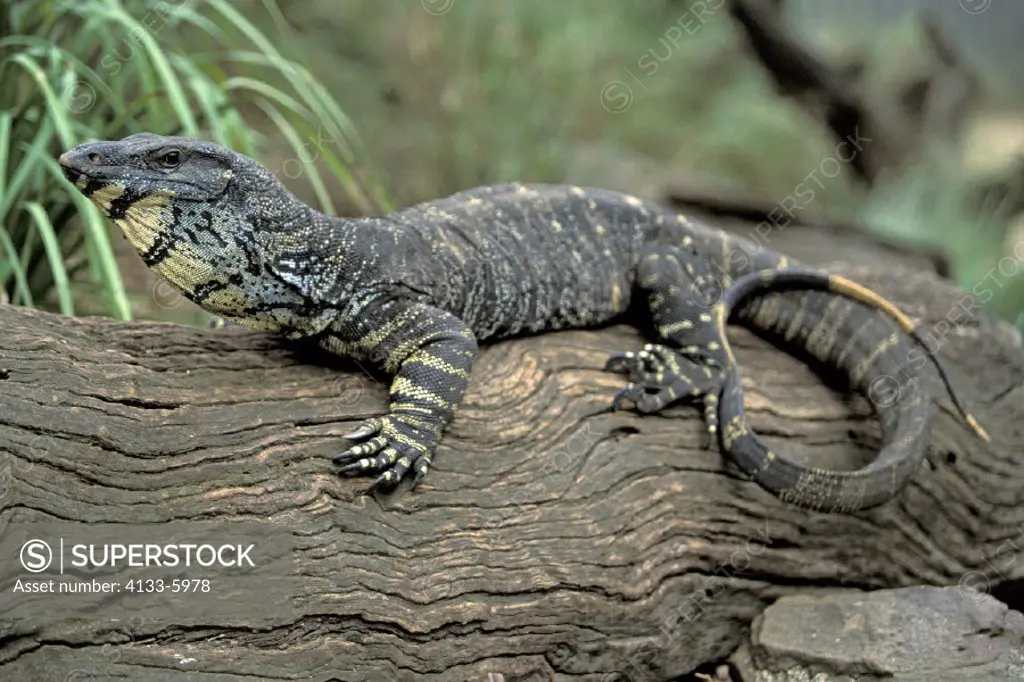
[175,91]
[40,46]
[297,144]
[210,99]
[21,291]
[327,115]
[5,149]
[202,23]
[42,139]
[268,91]
[342,172]
[308,88]
[99,243]
[56,109]
[53,255]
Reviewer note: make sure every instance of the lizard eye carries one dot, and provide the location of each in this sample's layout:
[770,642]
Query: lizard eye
[170,158]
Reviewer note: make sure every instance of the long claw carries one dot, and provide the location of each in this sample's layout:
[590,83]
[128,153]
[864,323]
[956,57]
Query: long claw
[631,392]
[619,362]
[358,465]
[356,452]
[421,466]
[384,483]
[360,433]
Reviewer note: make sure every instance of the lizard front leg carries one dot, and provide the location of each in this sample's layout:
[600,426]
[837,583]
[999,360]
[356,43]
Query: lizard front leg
[430,352]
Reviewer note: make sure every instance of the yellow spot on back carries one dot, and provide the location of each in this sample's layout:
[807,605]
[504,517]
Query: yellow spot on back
[674,327]
[599,229]
[616,296]
[577,191]
[556,226]
[633,201]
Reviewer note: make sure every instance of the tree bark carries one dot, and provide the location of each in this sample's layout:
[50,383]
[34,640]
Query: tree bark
[553,539]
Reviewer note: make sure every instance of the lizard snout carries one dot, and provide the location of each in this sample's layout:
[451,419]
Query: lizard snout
[75,162]
[85,159]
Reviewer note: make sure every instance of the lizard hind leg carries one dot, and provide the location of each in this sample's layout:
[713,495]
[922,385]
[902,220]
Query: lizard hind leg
[681,294]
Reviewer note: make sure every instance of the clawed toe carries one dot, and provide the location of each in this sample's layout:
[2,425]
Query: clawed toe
[646,366]
[623,362]
[364,430]
[633,393]
[390,478]
[358,452]
[660,376]
[402,445]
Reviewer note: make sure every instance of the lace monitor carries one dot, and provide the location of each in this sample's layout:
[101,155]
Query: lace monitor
[415,290]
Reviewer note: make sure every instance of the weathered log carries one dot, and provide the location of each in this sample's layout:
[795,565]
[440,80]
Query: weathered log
[552,540]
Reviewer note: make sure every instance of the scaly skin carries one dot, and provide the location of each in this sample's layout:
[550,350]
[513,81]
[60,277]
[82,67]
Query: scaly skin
[415,290]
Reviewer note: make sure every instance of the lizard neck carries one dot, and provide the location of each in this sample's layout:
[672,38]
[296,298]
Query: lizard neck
[305,262]
[282,225]
[232,255]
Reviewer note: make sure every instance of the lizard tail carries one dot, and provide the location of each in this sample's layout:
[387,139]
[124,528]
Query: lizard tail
[810,279]
[905,427]
[841,285]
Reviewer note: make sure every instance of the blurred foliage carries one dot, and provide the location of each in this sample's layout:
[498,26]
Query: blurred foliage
[932,205]
[447,94]
[79,70]
[450,94]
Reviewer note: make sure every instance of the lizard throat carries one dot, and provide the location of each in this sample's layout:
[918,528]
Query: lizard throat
[148,223]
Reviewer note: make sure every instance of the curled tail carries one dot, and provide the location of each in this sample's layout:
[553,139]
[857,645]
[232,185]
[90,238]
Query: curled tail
[905,422]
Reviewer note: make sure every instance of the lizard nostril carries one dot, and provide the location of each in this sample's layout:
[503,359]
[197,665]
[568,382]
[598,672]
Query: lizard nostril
[95,159]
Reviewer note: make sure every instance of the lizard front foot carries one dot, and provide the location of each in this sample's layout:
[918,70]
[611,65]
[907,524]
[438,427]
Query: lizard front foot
[395,444]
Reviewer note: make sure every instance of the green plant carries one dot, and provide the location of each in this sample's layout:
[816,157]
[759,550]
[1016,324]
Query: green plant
[102,69]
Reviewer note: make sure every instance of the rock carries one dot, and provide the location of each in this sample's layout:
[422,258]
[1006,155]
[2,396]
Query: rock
[913,634]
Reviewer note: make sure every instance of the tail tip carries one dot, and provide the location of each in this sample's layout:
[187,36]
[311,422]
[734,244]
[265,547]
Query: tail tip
[976,427]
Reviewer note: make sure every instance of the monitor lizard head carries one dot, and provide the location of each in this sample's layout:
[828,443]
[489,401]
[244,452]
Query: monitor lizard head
[193,210]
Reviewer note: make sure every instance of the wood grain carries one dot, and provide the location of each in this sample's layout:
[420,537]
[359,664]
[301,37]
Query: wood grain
[552,540]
